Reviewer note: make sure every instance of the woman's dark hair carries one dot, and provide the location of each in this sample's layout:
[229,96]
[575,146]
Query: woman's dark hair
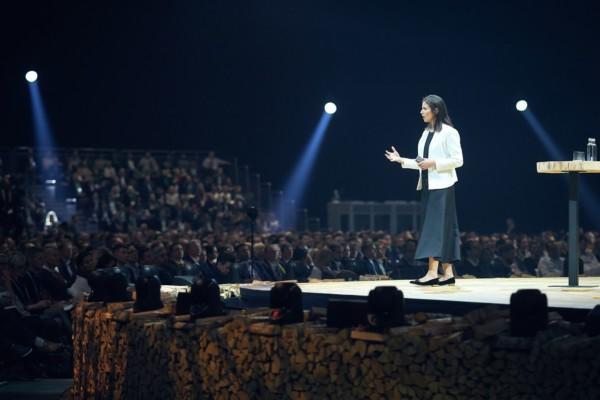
[438,107]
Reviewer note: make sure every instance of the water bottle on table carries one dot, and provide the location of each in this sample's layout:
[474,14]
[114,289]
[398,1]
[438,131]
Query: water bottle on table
[592,150]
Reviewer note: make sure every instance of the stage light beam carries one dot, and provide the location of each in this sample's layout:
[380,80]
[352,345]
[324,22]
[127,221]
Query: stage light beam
[31,76]
[588,198]
[330,108]
[521,105]
[295,186]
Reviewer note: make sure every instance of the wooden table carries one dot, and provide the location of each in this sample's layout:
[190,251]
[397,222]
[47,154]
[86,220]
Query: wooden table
[573,168]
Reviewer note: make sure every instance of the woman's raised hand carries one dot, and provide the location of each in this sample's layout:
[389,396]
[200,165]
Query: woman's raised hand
[393,155]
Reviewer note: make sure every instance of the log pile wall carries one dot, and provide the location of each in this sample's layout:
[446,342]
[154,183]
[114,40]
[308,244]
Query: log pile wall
[121,355]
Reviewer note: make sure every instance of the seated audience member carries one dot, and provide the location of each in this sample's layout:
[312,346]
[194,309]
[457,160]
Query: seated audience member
[27,285]
[259,269]
[532,257]
[349,260]
[224,271]
[86,263]
[370,265]
[272,264]
[159,262]
[287,253]
[322,259]
[551,264]
[407,267]
[65,265]
[591,265]
[194,256]
[121,254]
[395,252]
[380,258]
[338,256]
[176,265]
[301,266]
[471,264]
[242,262]
[340,266]
[52,281]
[506,265]
[21,326]
[133,260]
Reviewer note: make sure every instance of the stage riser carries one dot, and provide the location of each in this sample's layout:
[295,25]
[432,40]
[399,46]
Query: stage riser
[124,357]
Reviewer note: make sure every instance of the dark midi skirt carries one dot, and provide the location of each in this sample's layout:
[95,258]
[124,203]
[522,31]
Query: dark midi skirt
[439,237]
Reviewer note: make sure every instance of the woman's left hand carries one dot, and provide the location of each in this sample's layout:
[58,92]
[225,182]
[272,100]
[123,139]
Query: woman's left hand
[426,164]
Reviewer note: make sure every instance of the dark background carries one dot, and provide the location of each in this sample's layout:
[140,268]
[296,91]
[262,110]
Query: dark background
[250,78]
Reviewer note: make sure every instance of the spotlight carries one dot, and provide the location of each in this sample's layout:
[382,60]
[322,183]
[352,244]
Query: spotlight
[286,303]
[528,312]
[385,307]
[521,105]
[31,76]
[330,108]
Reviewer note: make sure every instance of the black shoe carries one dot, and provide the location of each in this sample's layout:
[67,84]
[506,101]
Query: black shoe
[449,281]
[430,282]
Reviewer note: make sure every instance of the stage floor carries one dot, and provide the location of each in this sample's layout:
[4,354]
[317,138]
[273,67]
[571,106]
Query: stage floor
[466,295]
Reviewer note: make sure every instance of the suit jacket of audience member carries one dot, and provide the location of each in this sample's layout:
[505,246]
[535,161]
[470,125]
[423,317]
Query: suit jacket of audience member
[164,274]
[336,265]
[394,256]
[286,266]
[299,270]
[53,283]
[385,264]
[229,277]
[278,270]
[481,270]
[189,269]
[406,269]
[264,272]
[208,270]
[351,264]
[529,265]
[189,260]
[27,289]
[174,268]
[128,272]
[244,272]
[372,267]
[68,272]
[500,269]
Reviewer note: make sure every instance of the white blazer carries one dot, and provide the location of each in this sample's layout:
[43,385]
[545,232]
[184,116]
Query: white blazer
[446,151]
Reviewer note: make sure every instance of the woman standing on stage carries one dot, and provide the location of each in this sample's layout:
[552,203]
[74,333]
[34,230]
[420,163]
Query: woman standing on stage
[439,154]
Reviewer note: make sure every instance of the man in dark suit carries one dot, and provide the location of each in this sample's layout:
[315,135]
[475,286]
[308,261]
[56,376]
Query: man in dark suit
[350,261]
[50,277]
[193,258]
[287,253]
[472,264]
[273,262]
[300,266]
[407,267]
[65,266]
[223,270]
[370,266]
[121,253]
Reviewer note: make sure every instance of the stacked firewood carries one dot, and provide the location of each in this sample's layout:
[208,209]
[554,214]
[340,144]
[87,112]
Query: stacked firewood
[156,355]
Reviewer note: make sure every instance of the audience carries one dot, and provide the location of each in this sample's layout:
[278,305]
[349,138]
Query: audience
[185,217]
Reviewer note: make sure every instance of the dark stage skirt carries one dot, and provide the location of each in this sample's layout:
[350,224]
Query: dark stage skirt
[439,237]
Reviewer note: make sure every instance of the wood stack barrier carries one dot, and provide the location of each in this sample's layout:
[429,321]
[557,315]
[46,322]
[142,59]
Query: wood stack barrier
[156,355]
